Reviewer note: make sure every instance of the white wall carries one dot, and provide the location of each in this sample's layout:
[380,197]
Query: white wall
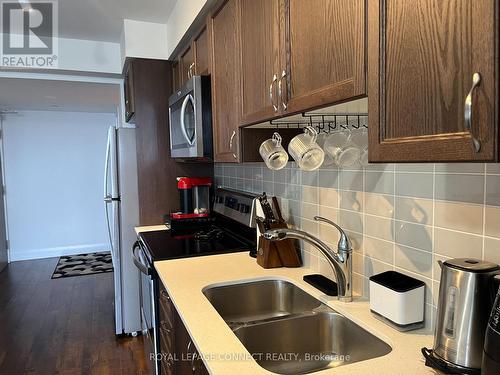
[54,183]
[90,56]
[143,39]
[182,16]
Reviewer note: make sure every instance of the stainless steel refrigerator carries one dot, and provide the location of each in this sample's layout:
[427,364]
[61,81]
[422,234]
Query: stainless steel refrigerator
[122,215]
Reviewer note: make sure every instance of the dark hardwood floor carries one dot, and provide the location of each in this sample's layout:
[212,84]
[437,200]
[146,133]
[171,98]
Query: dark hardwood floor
[63,326]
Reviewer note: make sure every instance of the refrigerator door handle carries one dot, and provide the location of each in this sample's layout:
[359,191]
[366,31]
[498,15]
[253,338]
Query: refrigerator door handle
[106,166]
[108,195]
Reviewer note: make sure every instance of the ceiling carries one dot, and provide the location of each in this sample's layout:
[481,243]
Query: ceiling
[102,20]
[44,95]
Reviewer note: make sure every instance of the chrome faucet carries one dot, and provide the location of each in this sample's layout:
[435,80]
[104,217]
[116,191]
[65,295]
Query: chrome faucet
[340,260]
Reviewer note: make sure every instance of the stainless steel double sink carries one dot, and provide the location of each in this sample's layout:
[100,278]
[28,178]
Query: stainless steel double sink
[288,331]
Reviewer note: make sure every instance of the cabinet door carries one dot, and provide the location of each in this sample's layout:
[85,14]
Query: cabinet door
[190,362]
[423,55]
[324,54]
[225,70]
[201,53]
[176,75]
[129,93]
[187,65]
[260,59]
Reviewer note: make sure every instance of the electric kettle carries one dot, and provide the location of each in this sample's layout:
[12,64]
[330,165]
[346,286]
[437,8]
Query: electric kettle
[466,295]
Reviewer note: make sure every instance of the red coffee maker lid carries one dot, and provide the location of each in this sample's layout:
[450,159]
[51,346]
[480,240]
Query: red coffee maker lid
[184,183]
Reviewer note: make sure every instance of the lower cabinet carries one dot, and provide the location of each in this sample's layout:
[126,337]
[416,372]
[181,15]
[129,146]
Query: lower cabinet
[179,355]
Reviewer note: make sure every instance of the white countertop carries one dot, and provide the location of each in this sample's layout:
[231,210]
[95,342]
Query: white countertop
[150,228]
[185,279]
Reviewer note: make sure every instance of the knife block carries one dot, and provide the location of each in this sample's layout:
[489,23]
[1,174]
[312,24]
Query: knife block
[267,254]
[274,254]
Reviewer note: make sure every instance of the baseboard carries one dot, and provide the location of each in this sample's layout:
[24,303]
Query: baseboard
[17,255]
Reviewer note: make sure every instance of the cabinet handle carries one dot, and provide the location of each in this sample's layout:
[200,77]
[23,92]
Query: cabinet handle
[188,349]
[284,102]
[190,70]
[231,144]
[163,327]
[165,295]
[271,87]
[476,81]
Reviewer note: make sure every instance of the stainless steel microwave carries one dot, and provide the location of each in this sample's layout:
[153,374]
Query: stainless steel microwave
[190,112]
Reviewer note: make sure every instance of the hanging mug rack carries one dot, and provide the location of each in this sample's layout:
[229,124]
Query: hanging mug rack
[325,122]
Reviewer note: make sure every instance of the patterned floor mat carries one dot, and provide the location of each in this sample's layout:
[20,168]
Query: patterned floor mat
[83,264]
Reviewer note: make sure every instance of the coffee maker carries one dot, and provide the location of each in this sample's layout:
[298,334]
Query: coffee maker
[466,295]
[194,194]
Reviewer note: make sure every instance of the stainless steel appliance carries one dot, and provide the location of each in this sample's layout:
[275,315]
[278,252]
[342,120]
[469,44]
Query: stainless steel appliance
[190,112]
[466,295]
[491,353]
[228,229]
[122,215]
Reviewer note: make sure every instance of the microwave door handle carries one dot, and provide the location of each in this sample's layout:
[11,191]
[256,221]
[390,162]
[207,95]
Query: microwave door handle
[188,98]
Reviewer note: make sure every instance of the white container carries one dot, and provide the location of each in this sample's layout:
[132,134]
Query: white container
[398,300]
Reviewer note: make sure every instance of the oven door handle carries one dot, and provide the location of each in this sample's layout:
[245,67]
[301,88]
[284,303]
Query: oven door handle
[137,259]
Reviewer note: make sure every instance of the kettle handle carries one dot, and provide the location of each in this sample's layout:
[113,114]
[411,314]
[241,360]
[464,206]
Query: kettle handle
[440,264]
[496,280]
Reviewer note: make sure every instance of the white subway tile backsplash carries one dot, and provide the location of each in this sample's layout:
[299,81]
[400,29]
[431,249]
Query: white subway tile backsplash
[414,260]
[310,194]
[405,217]
[492,221]
[413,235]
[351,200]
[310,178]
[379,227]
[415,210]
[379,182]
[419,185]
[493,168]
[350,220]
[351,180]
[493,190]
[459,216]
[329,197]
[309,210]
[460,187]
[379,205]
[457,244]
[492,250]
[460,168]
[414,167]
[379,249]
[329,179]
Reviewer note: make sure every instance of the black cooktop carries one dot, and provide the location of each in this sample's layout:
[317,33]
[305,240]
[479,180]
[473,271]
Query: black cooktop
[208,240]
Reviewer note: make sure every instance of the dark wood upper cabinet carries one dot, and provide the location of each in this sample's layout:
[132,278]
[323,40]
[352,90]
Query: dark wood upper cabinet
[128,87]
[298,55]
[225,71]
[260,59]
[423,56]
[187,64]
[200,46]
[176,75]
[324,52]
